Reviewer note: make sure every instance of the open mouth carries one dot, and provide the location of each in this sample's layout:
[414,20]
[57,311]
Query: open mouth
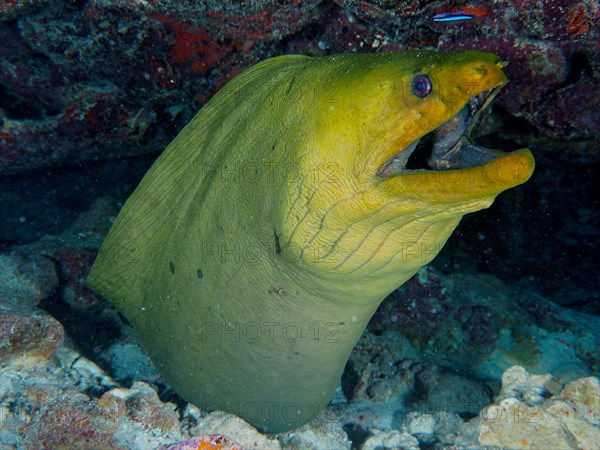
[448,146]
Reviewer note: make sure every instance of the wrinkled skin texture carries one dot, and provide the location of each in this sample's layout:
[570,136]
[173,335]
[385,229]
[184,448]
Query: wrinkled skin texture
[255,250]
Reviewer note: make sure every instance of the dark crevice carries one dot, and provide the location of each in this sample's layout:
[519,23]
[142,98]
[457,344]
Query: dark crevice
[89,328]
[419,157]
[313,30]
[466,416]
[76,5]
[356,434]
[62,193]
[165,124]
[579,65]
[167,395]
[504,139]
[17,108]
[350,378]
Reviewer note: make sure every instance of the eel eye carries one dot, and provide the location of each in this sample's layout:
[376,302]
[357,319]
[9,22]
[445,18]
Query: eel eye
[421,85]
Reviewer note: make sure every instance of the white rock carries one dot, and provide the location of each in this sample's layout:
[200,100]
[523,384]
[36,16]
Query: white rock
[421,423]
[518,383]
[237,429]
[567,421]
[388,440]
[446,427]
[323,433]
[422,426]
[84,373]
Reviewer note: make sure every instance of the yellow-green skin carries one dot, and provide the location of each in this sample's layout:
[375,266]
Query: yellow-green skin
[253,253]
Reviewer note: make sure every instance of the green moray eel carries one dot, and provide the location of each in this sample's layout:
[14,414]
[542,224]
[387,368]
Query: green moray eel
[253,253]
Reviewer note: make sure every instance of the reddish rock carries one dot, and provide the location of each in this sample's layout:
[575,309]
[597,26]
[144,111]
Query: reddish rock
[66,419]
[454,319]
[113,408]
[573,113]
[28,340]
[422,301]
[193,46]
[207,442]
[119,78]
[75,264]
[47,413]
[146,408]
[72,92]
[74,251]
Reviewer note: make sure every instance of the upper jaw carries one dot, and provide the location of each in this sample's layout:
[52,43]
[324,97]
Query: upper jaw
[448,146]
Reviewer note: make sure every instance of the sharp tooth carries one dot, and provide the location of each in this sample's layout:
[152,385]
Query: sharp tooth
[473,105]
[398,161]
[483,102]
[447,160]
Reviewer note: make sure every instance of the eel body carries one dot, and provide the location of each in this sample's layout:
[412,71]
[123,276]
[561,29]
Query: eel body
[253,253]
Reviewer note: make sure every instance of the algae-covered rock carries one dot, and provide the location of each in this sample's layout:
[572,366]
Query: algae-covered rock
[518,383]
[323,433]
[565,421]
[28,340]
[229,425]
[390,440]
[25,279]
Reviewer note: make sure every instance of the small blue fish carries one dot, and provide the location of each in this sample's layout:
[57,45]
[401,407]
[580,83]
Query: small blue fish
[452,17]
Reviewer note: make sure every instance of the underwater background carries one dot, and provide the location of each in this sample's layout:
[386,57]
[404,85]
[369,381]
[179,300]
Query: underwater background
[507,315]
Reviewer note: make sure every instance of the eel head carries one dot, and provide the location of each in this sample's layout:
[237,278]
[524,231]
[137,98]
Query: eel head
[397,127]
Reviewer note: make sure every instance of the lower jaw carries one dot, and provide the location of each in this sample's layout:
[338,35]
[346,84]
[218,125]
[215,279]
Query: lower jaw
[477,181]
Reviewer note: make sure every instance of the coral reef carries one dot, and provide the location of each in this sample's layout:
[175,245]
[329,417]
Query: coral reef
[456,358]
[474,322]
[322,433]
[28,340]
[398,391]
[71,92]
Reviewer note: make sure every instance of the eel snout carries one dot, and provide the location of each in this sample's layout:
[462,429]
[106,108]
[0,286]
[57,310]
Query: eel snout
[448,146]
